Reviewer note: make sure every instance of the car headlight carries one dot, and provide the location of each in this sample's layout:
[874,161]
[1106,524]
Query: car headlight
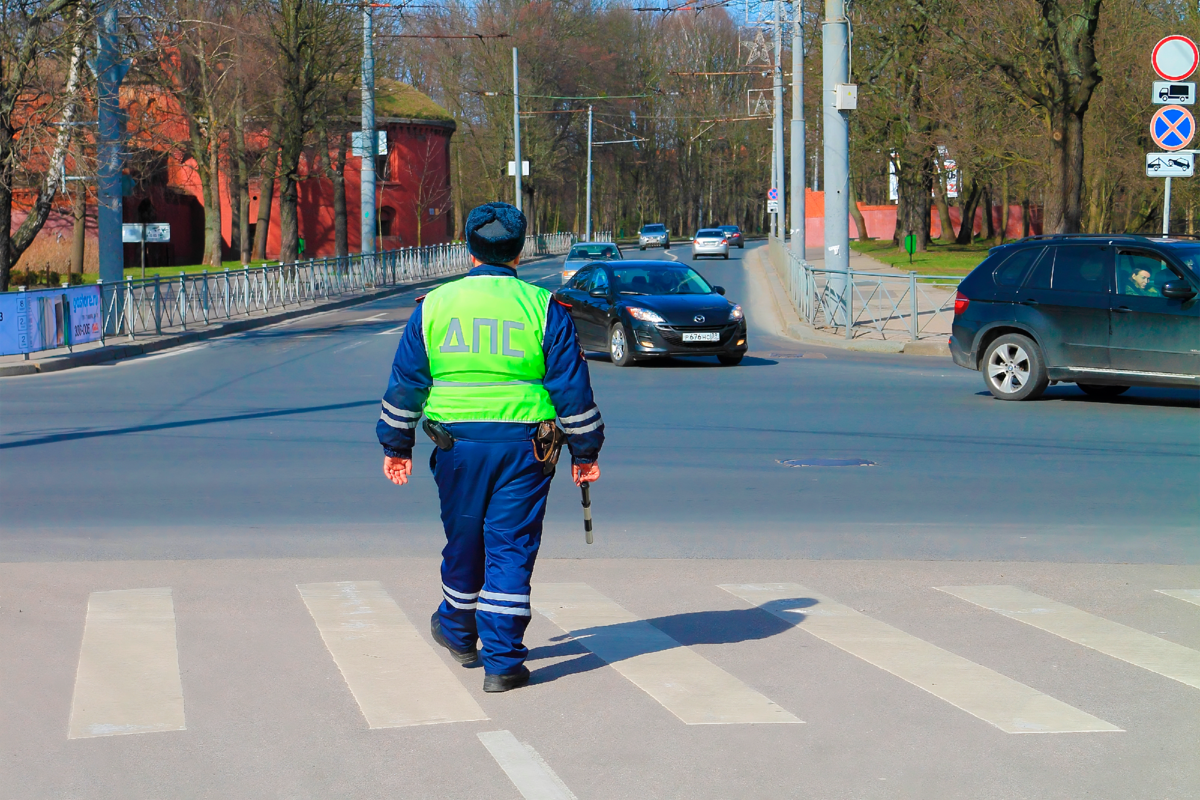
[735,314]
[644,314]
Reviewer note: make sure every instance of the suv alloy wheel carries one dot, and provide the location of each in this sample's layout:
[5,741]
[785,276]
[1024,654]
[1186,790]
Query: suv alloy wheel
[1013,368]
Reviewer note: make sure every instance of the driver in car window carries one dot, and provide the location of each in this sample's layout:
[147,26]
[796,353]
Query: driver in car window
[1139,284]
[1135,274]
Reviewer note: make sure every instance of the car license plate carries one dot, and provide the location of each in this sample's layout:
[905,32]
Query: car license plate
[715,336]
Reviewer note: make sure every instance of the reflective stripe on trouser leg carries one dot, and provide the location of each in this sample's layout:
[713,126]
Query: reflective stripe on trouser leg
[493,499]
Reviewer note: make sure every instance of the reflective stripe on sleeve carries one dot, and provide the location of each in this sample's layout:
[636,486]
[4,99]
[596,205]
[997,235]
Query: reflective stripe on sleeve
[586,428]
[464,606]
[399,412]
[591,412]
[397,423]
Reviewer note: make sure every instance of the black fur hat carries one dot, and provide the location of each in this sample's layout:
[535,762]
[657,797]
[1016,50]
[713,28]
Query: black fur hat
[496,232]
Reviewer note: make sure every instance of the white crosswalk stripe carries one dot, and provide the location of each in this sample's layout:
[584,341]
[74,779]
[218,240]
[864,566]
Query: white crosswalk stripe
[1105,636]
[1186,595]
[128,679]
[685,683]
[1011,706]
[525,768]
[394,674]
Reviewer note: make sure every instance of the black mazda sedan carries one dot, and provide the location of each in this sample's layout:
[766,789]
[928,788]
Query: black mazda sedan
[642,309]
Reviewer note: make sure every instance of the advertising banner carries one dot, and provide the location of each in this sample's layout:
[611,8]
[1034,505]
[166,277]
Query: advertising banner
[44,320]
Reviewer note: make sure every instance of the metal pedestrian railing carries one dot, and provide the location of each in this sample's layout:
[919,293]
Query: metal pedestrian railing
[163,304]
[877,304]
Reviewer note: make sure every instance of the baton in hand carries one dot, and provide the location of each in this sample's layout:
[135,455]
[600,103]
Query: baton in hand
[587,511]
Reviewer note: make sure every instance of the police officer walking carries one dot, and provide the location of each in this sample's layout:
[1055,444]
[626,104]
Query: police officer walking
[491,361]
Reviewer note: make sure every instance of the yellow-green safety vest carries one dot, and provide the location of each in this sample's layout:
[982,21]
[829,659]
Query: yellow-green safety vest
[483,334]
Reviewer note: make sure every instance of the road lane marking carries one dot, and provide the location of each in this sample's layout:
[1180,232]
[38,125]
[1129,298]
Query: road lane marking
[128,675]
[370,319]
[525,768]
[394,674]
[684,682]
[1186,595]
[168,354]
[397,329]
[1102,635]
[998,700]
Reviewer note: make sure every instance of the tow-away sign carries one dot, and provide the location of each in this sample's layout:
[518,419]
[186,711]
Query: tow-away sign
[1170,165]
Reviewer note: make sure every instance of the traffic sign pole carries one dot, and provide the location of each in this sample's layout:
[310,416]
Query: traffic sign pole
[1167,208]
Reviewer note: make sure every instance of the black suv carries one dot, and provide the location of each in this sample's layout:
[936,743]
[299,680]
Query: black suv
[1103,312]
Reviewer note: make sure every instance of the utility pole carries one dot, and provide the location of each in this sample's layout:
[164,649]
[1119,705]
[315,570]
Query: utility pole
[367,188]
[797,182]
[517,133]
[110,70]
[836,126]
[587,236]
[777,123]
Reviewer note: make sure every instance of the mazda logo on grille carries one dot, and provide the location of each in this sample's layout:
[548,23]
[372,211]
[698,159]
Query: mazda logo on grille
[698,318]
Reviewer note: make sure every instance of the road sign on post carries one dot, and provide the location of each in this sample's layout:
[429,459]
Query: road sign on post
[1171,93]
[1170,165]
[1172,127]
[772,194]
[1174,58]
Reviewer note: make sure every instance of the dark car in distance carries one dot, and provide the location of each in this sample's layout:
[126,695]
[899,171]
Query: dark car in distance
[1102,312]
[734,234]
[635,310]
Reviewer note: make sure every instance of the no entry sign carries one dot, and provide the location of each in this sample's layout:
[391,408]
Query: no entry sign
[1174,58]
[1172,127]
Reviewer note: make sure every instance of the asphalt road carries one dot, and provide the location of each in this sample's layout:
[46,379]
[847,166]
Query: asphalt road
[234,471]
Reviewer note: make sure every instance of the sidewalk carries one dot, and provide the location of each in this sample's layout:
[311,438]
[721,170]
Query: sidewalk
[894,337]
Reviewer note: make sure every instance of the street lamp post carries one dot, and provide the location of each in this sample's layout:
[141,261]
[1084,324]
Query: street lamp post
[587,236]
[517,133]
[797,182]
[777,124]
[367,189]
[110,70]
[836,126]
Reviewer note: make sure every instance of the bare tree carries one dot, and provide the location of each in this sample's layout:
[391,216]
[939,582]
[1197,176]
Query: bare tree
[31,33]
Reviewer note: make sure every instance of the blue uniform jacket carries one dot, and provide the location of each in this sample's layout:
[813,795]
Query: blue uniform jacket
[566,380]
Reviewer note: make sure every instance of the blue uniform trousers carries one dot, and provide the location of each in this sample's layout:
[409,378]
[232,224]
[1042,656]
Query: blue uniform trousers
[493,497]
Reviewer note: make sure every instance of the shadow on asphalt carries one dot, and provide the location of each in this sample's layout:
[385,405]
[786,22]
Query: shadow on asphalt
[1138,396]
[68,436]
[629,640]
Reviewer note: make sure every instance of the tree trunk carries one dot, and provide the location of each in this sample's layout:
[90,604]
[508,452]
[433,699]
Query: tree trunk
[966,228]
[233,183]
[340,235]
[79,234]
[1002,231]
[213,243]
[266,191]
[1026,220]
[915,179]
[989,227]
[946,236]
[856,213]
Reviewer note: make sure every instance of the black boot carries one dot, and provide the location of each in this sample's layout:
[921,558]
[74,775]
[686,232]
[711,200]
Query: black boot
[503,683]
[463,657]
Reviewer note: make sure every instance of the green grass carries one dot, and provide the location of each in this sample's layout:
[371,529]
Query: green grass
[939,259]
[173,272]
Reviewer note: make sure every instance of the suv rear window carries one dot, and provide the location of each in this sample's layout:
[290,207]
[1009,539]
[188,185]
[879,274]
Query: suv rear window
[1012,270]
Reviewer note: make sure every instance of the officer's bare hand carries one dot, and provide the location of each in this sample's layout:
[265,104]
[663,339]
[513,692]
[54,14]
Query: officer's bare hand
[397,470]
[585,473]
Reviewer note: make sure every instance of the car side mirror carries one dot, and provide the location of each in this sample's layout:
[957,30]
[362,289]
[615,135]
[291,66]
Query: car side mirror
[1178,290]
[599,293]
[719,290]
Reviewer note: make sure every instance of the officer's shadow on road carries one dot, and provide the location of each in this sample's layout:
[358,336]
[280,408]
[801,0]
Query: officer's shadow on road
[593,648]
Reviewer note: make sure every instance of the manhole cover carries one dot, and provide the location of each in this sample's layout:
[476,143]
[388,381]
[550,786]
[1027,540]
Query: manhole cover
[827,462]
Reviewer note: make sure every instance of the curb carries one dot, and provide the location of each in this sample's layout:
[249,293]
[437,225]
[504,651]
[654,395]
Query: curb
[797,329]
[119,351]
